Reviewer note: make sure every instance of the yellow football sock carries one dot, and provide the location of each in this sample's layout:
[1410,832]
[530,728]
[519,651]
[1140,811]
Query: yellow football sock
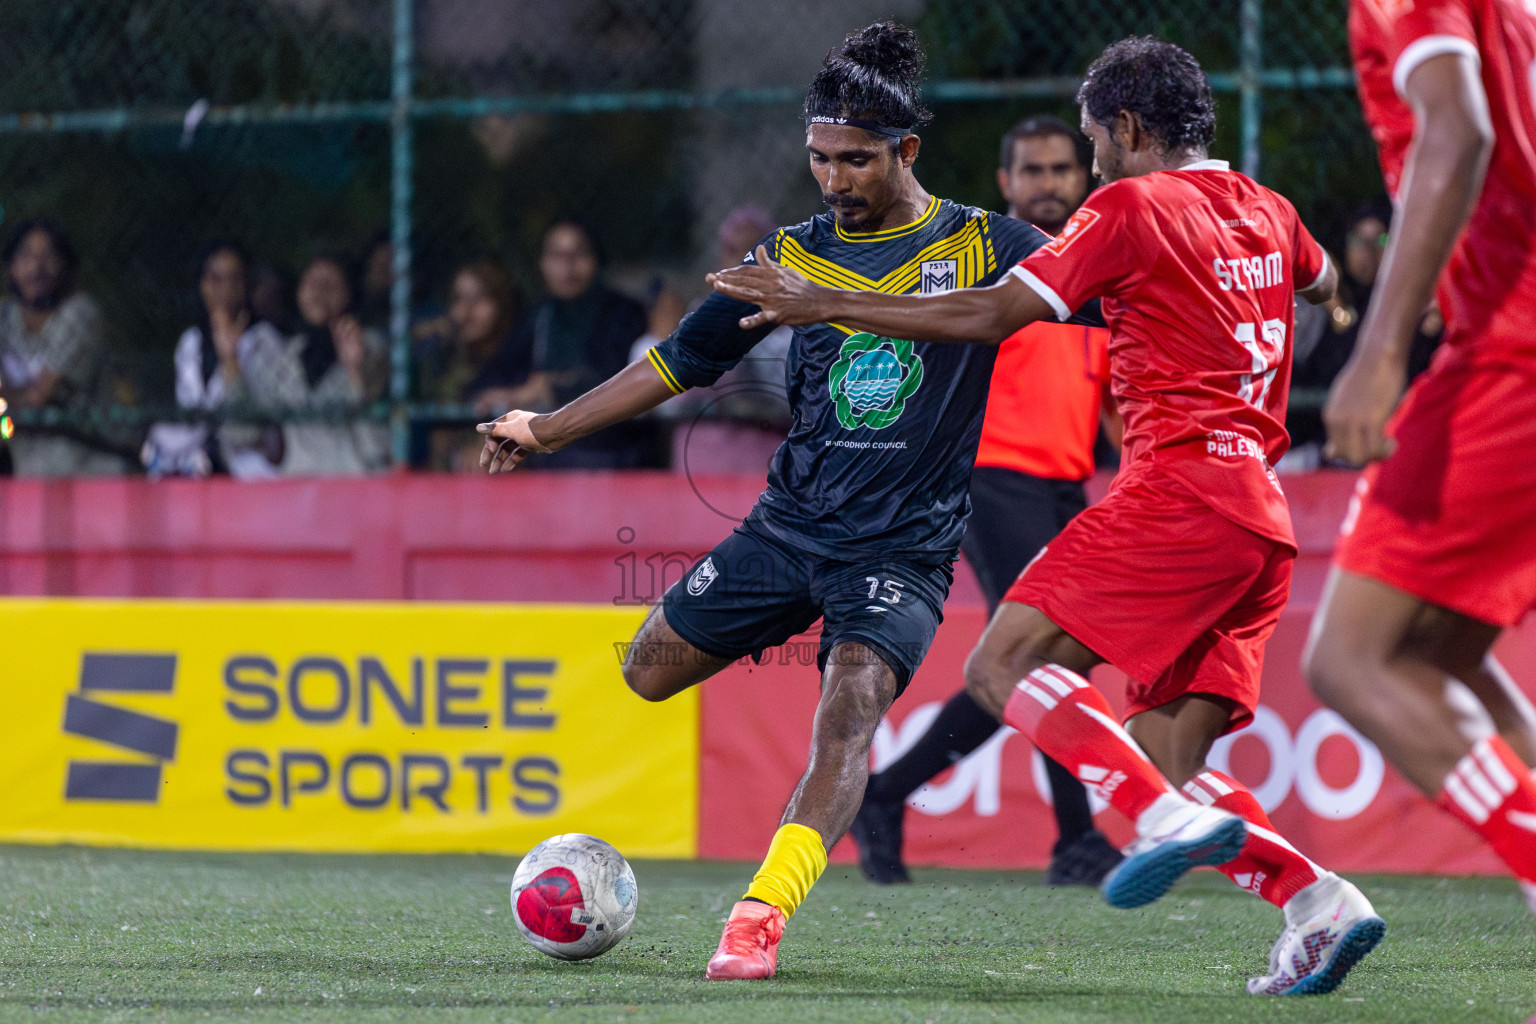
[796,858]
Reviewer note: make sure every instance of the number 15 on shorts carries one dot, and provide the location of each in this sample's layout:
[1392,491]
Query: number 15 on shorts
[891,587]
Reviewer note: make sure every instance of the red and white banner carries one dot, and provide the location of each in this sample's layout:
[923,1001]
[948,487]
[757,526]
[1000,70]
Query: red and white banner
[1326,788]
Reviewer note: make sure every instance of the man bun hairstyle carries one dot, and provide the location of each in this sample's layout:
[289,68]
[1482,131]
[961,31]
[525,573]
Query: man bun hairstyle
[1157,81]
[875,76]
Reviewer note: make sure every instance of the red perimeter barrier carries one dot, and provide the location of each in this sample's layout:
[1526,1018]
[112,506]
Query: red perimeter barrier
[621,538]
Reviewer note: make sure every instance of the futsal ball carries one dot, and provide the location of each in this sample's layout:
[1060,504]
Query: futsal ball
[574,897]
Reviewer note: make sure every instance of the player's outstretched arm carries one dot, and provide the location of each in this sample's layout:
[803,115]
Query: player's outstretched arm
[1441,182]
[976,315]
[511,438]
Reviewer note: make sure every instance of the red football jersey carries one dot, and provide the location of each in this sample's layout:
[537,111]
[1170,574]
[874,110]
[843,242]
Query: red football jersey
[1488,290]
[1198,269]
[1370,39]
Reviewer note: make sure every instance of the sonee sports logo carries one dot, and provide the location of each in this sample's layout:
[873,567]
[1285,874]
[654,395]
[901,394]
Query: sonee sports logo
[142,734]
[872,380]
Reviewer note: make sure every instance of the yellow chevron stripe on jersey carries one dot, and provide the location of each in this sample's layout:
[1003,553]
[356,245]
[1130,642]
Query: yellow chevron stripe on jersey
[667,377]
[882,236]
[822,271]
[965,246]
[970,247]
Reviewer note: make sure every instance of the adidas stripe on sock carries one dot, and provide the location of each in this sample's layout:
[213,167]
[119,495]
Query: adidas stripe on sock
[1493,791]
[1269,866]
[1073,724]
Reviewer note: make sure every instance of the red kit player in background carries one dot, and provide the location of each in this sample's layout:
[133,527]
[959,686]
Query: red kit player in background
[1179,575]
[1438,552]
[1049,395]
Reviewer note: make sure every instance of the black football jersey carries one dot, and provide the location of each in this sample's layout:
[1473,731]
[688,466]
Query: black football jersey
[884,430]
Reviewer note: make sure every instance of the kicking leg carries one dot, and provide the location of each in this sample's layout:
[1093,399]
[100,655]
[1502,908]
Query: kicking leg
[1381,658]
[659,664]
[857,689]
[1030,670]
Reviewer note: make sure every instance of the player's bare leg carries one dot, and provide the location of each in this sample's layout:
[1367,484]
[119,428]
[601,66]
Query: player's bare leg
[659,664]
[1329,924]
[857,689]
[1031,672]
[1388,662]
[1391,664]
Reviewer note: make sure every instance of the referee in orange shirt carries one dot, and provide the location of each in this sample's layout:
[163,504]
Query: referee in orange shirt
[1050,391]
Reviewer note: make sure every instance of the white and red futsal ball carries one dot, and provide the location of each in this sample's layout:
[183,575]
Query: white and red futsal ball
[574,897]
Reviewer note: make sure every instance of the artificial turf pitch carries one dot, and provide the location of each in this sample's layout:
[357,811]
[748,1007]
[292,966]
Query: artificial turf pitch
[109,935]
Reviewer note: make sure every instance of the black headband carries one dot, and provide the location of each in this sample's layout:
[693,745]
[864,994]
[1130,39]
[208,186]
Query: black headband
[854,122]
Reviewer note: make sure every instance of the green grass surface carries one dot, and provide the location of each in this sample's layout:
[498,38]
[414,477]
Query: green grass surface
[106,935]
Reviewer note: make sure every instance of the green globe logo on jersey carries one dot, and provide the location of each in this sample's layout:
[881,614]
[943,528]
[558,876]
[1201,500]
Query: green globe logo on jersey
[872,380]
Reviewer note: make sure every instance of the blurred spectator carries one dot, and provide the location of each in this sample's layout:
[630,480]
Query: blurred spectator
[664,310]
[345,365]
[1323,347]
[373,303]
[754,389]
[1365,242]
[52,355]
[269,298]
[578,336]
[758,382]
[465,354]
[230,358]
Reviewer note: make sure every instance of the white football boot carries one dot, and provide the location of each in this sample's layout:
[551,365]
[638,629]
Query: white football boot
[1329,926]
[1175,835]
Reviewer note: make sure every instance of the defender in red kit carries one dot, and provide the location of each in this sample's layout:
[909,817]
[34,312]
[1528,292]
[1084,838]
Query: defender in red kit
[1438,553]
[1179,575]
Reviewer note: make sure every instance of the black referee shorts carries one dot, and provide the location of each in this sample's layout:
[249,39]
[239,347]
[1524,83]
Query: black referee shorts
[1013,516]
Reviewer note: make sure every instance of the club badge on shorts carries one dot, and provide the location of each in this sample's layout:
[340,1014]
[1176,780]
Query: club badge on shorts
[702,577]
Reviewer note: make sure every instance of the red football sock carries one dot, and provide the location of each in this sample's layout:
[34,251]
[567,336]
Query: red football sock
[1073,724]
[1268,865]
[1492,790]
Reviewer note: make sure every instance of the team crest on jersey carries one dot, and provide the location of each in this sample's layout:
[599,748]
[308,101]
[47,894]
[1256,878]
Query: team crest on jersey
[702,577]
[872,380]
[1081,221]
[939,276]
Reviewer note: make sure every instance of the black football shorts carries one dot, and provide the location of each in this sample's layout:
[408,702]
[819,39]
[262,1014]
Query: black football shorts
[754,592]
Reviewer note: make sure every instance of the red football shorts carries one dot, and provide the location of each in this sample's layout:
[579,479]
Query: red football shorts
[1161,586]
[1450,517]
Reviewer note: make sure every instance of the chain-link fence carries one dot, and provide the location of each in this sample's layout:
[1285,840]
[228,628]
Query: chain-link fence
[457,129]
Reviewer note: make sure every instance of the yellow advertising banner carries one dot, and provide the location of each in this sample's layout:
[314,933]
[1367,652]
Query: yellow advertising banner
[344,727]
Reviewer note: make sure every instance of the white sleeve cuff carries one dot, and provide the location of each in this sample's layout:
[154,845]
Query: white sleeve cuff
[1421,50]
[1320,274]
[1043,290]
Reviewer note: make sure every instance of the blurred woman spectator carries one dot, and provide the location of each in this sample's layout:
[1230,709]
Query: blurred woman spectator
[466,355]
[345,366]
[378,278]
[578,336]
[1322,348]
[229,358]
[52,355]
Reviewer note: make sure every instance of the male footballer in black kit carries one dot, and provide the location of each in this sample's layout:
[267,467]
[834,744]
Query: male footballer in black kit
[1049,393]
[866,500]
